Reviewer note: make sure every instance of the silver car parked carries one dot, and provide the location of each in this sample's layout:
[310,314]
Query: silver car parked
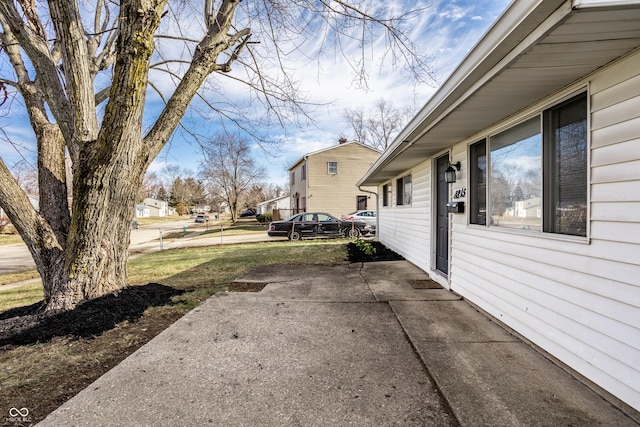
[366,216]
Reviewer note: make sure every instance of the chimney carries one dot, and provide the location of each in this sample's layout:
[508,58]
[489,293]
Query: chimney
[342,140]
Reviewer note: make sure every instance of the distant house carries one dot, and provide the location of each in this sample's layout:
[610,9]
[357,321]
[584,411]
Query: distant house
[156,207]
[517,185]
[325,180]
[279,203]
[142,211]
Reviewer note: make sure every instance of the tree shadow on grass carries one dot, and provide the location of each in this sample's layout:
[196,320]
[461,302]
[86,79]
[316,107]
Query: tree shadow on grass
[27,325]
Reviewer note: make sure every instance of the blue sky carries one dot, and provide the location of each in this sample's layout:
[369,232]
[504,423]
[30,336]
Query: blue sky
[445,31]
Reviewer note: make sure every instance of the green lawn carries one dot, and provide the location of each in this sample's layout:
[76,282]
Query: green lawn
[200,271]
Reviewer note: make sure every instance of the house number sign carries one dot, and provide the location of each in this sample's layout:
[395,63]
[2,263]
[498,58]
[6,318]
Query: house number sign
[460,193]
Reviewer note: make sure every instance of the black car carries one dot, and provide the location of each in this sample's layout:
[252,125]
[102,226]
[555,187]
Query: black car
[310,224]
[248,213]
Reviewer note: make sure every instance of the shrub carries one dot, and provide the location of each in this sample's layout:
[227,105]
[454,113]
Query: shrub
[365,247]
[265,217]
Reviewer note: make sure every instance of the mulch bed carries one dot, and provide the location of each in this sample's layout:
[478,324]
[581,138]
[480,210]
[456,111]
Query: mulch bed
[380,253]
[28,325]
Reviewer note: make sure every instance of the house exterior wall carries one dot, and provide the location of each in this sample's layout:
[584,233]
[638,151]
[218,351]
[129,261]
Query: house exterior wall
[156,207]
[298,187]
[576,298]
[407,229]
[337,193]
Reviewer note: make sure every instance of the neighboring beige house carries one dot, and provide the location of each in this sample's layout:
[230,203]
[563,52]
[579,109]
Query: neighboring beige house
[325,180]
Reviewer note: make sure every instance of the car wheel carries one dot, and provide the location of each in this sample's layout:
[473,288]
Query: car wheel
[352,232]
[294,235]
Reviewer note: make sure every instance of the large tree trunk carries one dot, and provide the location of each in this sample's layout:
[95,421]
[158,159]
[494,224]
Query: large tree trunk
[84,255]
[98,242]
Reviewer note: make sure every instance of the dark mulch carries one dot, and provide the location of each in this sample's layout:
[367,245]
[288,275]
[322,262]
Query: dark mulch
[380,253]
[27,325]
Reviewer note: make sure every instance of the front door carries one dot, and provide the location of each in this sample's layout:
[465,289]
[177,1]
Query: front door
[442,217]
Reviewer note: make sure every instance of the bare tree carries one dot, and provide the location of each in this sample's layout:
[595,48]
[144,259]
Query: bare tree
[379,125]
[151,185]
[87,73]
[26,176]
[230,168]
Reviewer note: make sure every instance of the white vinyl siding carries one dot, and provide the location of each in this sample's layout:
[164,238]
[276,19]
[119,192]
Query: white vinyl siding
[407,229]
[580,301]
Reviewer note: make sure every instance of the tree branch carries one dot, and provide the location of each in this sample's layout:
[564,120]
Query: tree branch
[76,67]
[47,73]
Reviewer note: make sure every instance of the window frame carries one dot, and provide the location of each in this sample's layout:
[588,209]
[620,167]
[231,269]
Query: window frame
[404,197]
[329,169]
[546,129]
[386,195]
[479,191]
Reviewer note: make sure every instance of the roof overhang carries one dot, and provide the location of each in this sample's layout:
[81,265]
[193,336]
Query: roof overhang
[533,50]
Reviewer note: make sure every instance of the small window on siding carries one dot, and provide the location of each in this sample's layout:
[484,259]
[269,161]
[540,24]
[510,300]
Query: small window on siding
[304,173]
[292,178]
[332,168]
[386,194]
[403,191]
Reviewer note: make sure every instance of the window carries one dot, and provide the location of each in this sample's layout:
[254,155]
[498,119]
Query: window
[403,191]
[361,203]
[332,168]
[315,217]
[565,171]
[478,183]
[537,173]
[304,173]
[515,173]
[292,178]
[386,194]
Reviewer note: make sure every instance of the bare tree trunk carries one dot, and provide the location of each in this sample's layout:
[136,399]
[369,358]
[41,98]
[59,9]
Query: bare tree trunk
[98,242]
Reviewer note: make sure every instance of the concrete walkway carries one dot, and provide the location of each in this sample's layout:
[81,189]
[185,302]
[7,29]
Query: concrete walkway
[354,345]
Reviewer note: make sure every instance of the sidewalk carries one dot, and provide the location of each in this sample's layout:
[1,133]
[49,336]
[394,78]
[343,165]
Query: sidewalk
[333,346]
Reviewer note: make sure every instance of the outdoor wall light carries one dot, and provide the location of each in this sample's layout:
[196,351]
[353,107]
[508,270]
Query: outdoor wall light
[450,173]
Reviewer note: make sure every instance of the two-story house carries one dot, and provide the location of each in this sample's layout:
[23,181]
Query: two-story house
[325,180]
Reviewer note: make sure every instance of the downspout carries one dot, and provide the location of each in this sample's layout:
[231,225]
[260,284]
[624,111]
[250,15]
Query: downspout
[377,207]
[306,183]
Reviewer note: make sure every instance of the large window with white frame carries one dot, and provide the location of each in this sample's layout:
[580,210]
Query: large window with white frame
[533,176]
